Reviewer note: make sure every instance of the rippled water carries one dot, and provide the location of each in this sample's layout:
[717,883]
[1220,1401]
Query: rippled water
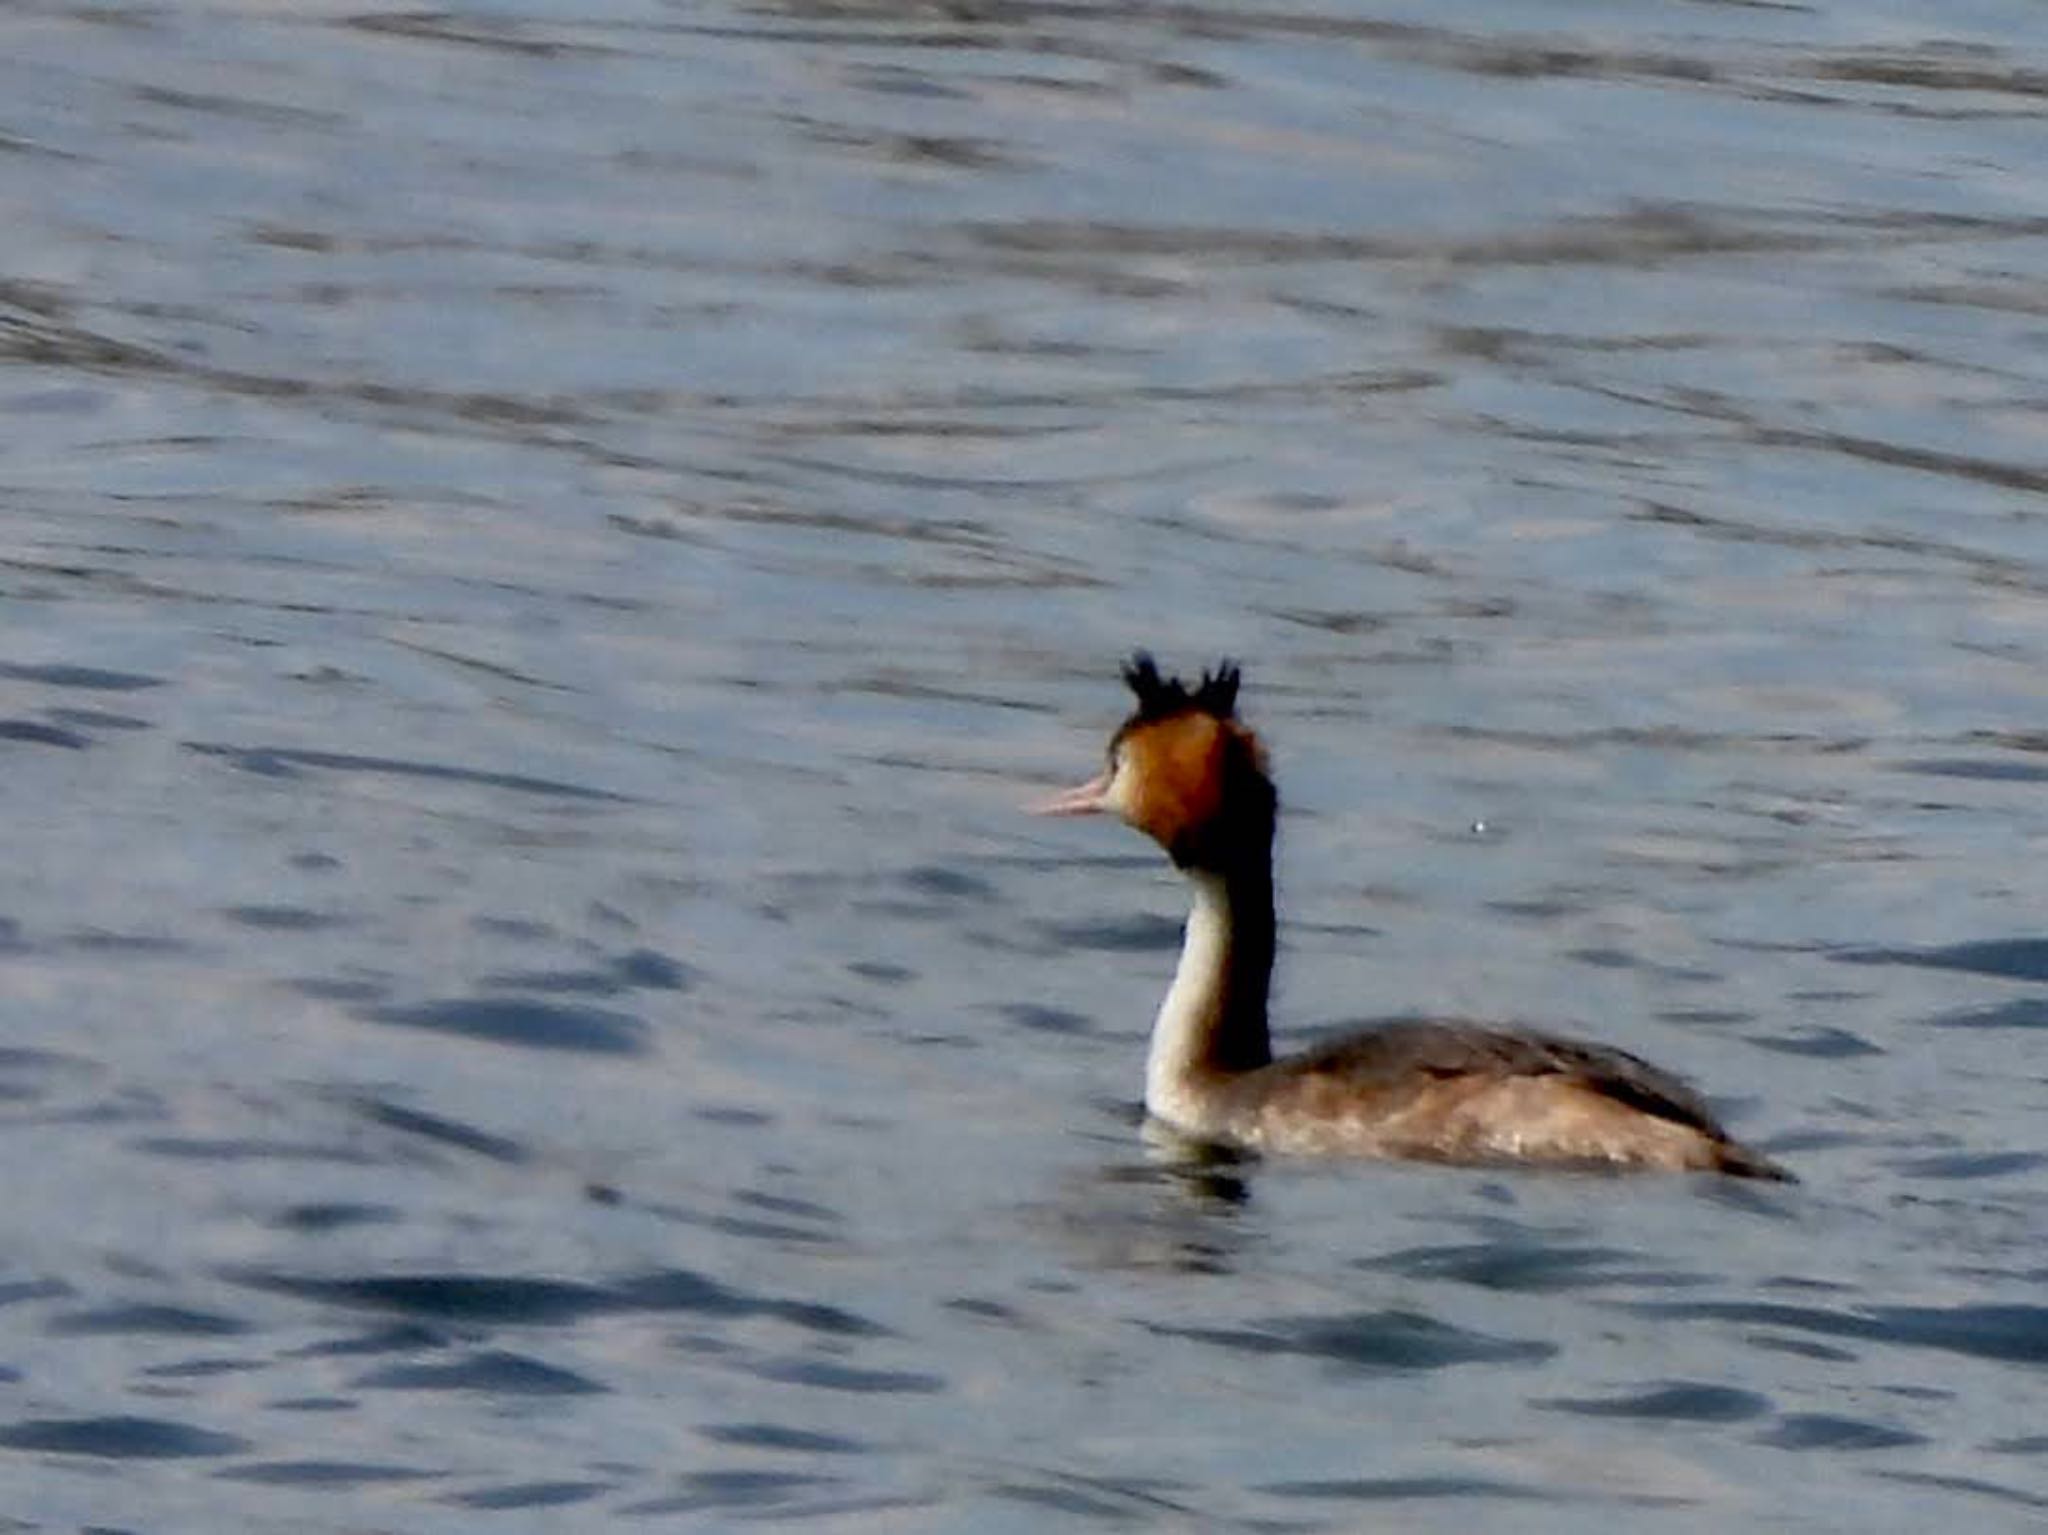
[542,545]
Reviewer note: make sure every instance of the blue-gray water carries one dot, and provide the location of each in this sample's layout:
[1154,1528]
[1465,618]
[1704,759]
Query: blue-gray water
[542,545]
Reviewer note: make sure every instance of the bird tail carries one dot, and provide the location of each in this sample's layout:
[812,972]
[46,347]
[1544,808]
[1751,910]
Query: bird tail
[1738,1161]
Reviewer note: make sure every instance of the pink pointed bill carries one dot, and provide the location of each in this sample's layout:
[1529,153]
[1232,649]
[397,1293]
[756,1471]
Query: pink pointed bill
[1082,799]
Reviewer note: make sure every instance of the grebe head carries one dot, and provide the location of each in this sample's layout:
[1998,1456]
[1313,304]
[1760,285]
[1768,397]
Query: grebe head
[1185,772]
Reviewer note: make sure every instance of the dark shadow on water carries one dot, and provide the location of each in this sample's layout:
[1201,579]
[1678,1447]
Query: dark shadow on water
[337,1475]
[282,919]
[202,1369]
[2022,1444]
[512,37]
[1978,767]
[641,970]
[96,719]
[99,941]
[736,1490]
[1376,1340]
[773,1436]
[506,1299]
[530,1495]
[1825,1043]
[652,970]
[1800,1348]
[118,1438]
[401,1338]
[1823,1431]
[337,988]
[440,1130]
[1397,1489]
[523,1021]
[555,983]
[881,972]
[940,881]
[285,762]
[146,1321]
[1972,1164]
[1672,1402]
[88,678]
[681,1290]
[462,1299]
[2017,1334]
[767,1231]
[831,1375]
[2022,1013]
[784,1204]
[2016,959]
[35,733]
[518,929]
[493,1372]
[1041,1019]
[1097,1499]
[337,1215]
[1520,1265]
[187,1148]
[1121,935]
[1965,1484]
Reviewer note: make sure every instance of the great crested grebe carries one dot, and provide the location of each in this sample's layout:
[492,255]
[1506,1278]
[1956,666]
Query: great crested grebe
[1184,771]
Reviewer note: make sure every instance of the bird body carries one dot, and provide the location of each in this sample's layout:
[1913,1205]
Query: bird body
[1184,770]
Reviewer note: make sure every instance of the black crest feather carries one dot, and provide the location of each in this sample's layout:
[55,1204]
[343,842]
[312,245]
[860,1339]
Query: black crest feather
[1163,697]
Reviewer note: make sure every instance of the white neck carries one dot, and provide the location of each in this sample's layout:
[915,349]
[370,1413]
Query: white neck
[1188,1018]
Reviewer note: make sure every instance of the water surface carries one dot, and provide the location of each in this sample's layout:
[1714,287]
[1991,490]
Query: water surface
[541,547]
